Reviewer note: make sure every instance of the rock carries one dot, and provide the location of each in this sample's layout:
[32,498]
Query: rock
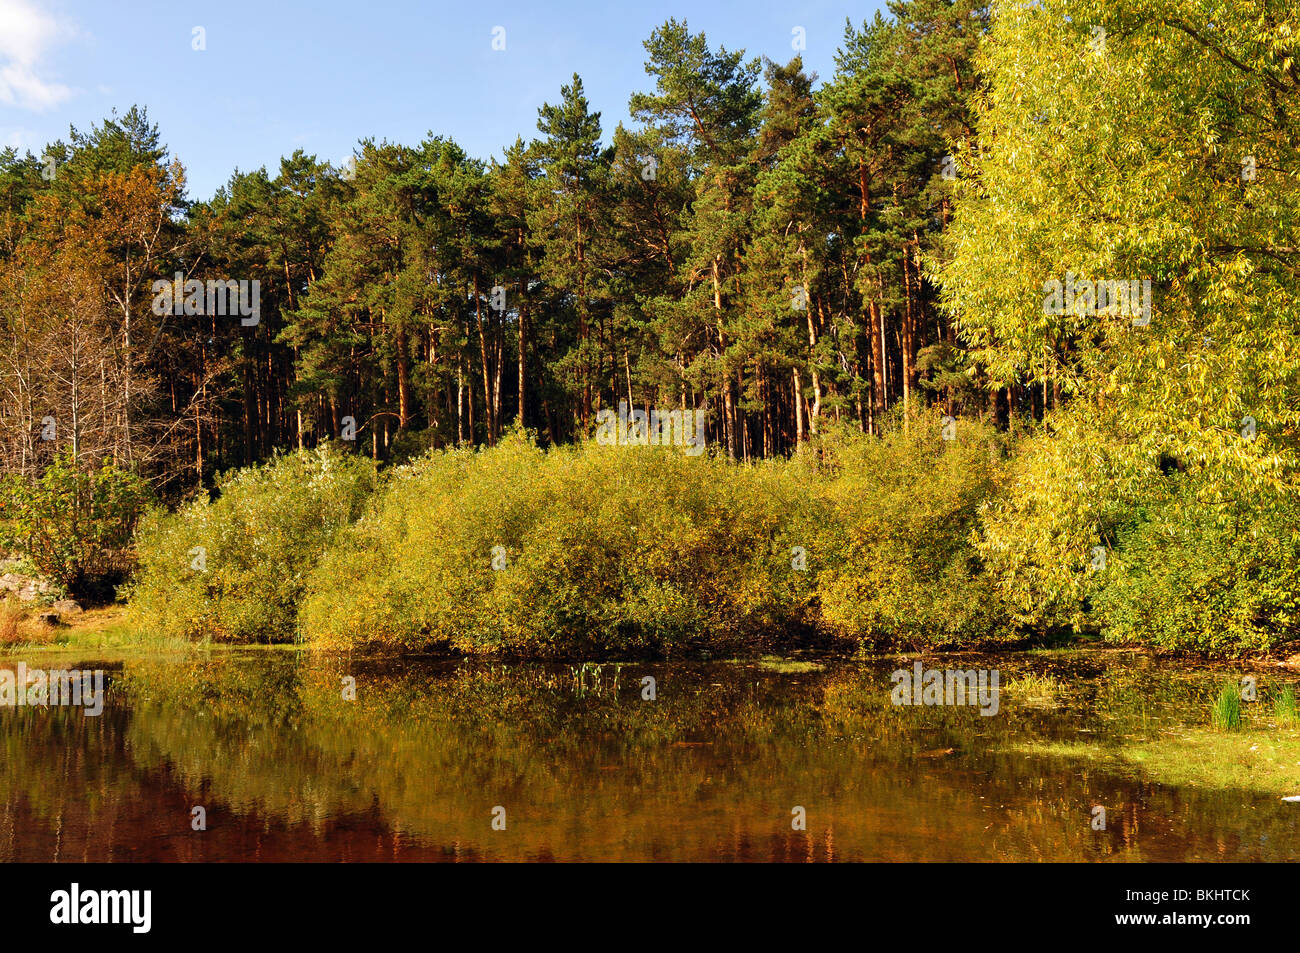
[67,607]
[27,588]
[49,618]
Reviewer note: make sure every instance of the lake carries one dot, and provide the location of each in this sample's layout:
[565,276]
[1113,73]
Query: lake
[446,760]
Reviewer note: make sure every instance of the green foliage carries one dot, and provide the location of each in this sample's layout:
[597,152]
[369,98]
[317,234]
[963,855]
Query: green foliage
[1092,169]
[1226,713]
[893,540]
[235,567]
[1285,712]
[603,549]
[907,540]
[71,525]
[1153,552]
[650,551]
[768,263]
[1040,537]
[1213,574]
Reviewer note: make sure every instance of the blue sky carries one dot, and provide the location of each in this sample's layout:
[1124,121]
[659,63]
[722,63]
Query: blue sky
[277,76]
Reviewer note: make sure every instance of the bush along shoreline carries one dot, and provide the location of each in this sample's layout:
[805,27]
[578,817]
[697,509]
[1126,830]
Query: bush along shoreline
[931,537]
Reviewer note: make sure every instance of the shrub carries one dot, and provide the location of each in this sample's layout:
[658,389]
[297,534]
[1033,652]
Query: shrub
[606,549]
[893,537]
[235,567]
[1062,501]
[1191,561]
[906,539]
[72,525]
[1208,573]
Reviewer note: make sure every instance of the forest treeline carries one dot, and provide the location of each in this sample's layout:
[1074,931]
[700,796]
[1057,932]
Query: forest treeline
[752,247]
[996,326]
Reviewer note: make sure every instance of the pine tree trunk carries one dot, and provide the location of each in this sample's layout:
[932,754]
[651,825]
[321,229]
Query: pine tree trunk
[483,353]
[798,411]
[523,350]
[403,380]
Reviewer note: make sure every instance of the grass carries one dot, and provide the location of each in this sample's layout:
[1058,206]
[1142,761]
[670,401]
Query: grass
[1226,713]
[1243,748]
[1034,686]
[10,622]
[774,663]
[104,631]
[1284,708]
[1259,760]
[19,626]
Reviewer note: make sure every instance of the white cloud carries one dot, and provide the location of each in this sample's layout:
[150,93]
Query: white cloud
[27,34]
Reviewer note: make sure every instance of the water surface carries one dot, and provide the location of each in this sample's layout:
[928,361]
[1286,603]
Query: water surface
[585,768]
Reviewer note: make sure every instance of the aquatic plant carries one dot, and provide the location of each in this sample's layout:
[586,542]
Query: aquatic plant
[1226,713]
[1284,707]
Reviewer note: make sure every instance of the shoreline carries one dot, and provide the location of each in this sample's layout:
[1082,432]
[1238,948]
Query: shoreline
[108,628]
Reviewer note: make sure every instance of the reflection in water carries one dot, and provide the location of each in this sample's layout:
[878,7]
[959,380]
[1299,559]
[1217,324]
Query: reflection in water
[412,769]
